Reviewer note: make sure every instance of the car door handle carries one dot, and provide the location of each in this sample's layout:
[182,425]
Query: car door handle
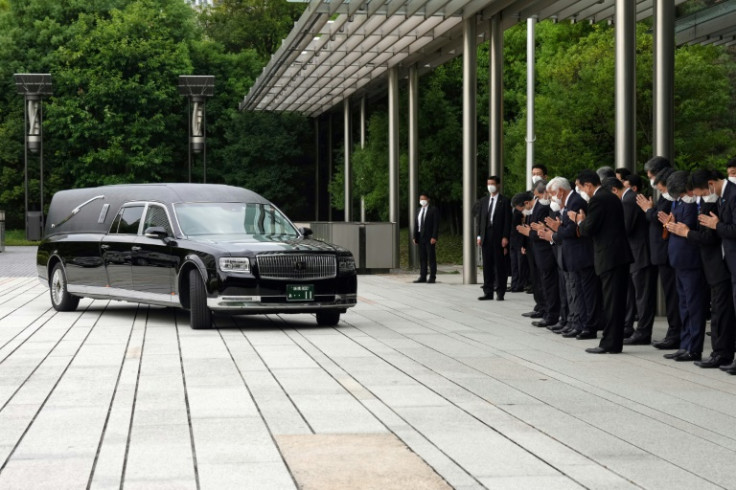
[104,247]
[135,249]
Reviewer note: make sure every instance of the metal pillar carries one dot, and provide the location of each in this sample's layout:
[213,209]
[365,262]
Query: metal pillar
[316,168]
[393,150]
[495,96]
[348,167]
[531,23]
[664,78]
[413,159]
[626,84]
[362,145]
[329,165]
[470,64]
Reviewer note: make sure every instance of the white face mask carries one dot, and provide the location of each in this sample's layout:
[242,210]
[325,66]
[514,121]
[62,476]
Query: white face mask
[711,198]
[556,200]
[732,180]
[555,207]
[584,195]
[651,182]
[687,199]
[526,212]
[492,189]
[544,202]
[536,178]
[667,196]
[423,202]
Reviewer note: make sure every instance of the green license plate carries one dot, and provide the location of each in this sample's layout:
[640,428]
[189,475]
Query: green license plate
[300,292]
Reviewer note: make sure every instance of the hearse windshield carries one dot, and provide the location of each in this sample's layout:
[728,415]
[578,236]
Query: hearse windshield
[220,218]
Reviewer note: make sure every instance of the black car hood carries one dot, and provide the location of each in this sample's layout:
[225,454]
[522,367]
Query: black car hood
[237,244]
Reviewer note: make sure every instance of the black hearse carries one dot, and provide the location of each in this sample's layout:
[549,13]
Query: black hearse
[201,247]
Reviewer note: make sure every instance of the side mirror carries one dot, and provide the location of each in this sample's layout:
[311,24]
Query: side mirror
[306,232]
[158,232]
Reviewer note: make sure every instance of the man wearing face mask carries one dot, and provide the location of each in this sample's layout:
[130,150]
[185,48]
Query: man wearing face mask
[723,320]
[658,169]
[524,202]
[684,257]
[604,225]
[425,236]
[539,172]
[494,228]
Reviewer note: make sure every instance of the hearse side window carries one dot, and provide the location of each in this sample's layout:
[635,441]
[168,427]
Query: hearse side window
[156,216]
[128,220]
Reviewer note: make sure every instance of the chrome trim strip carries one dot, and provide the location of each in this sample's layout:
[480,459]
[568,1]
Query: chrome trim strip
[242,303]
[297,266]
[125,295]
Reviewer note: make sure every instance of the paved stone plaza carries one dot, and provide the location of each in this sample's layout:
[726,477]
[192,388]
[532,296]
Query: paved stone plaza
[117,394]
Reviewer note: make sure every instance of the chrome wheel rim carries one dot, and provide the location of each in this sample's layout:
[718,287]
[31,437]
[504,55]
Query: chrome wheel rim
[57,286]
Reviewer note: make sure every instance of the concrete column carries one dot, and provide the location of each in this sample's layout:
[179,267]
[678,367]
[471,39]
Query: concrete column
[664,78]
[626,84]
[316,168]
[495,66]
[470,137]
[413,159]
[393,150]
[530,136]
[362,145]
[329,165]
[348,167]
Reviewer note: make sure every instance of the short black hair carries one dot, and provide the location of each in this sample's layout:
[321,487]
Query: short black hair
[633,180]
[656,165]
[699,179]
[677,183]
[610,183]
[588,176]
[731,163]
[541,167]
[623,172]
[495,178]
[520,198]
[663,175]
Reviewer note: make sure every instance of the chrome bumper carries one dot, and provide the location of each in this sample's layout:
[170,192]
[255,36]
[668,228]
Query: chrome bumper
[254,303]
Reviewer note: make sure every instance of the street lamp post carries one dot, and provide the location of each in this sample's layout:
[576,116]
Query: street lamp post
[197,88]
[33,87]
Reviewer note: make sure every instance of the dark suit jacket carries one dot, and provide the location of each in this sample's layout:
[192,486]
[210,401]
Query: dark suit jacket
[683,253]
[501,219]
[431,227]
[516,240]
[544,256]
[577,251]
[604,224]
[657,244]
[637,231]
[710,248]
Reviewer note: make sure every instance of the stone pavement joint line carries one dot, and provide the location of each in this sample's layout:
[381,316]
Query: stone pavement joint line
[420,386]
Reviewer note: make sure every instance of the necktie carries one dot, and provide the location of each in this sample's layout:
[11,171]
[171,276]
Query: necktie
[421,219]
[490,211]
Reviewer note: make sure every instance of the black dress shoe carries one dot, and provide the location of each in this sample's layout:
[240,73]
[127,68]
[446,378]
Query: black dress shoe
[637,340]
[730,366]
[564,331]
[570,333]
[714,362]
[540,323]
[731,370]
[601,350]
[628,332]
[672,355]
[421,279]
[586,334]
[432,280]
[667,344]
[499,297]
[688,357]
[556,326]
[485,297]
[532,314]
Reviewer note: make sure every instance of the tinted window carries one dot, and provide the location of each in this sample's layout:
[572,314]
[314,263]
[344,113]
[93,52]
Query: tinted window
[128,220]
[156,216]
[233,219]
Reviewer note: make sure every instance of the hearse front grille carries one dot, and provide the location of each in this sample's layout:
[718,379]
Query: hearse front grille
[297,266]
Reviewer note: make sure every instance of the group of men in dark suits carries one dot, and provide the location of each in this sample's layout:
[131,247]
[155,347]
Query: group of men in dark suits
[596,250]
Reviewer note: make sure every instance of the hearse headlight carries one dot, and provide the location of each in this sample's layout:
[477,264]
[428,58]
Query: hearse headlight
[235,264]
[345,264]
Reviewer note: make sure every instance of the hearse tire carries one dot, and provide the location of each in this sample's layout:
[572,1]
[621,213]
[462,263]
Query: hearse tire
[61,300]
[328,318]
[200,316]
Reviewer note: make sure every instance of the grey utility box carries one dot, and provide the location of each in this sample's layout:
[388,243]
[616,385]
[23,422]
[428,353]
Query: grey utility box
[34,225]
[372,244]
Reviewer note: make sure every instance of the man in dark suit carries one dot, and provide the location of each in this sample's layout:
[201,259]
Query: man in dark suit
[494,229]
[723,319]
[684,257]
[643,275]
[725,226]
[519,262]
[426,232]
[658,169]
[604,224]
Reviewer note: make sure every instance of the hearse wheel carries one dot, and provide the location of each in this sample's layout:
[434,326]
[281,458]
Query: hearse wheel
[200,316]
[328,318]
[61,300]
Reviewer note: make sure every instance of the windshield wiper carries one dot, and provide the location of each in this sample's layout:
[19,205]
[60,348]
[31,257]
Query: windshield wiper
[76,210]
